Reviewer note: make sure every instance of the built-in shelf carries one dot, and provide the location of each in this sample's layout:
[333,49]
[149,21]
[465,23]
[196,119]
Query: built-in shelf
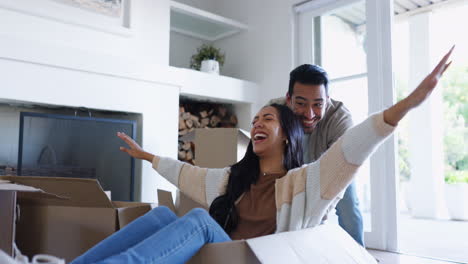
[201,86]
[201,24]
[214,87]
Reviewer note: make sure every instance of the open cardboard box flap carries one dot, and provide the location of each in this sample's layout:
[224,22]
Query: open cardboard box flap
[322,244]
[129,211]
[326,243]
[27,192]
[80,192]
[10,193]
[84,217]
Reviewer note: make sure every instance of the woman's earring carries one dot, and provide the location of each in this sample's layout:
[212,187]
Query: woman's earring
[287,141]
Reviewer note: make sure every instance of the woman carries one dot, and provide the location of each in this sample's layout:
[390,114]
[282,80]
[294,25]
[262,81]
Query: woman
[157,228]
[265,193]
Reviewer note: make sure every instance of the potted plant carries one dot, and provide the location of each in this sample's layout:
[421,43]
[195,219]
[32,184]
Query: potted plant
[456,194]
[207,59]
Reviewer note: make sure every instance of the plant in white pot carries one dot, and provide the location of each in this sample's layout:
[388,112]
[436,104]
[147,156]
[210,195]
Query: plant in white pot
[207,59]
[456,194]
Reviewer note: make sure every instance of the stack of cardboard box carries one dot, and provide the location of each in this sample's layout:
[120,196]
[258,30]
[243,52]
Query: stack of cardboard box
[63,217]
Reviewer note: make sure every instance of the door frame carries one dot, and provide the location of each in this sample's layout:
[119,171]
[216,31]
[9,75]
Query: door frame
[384,184]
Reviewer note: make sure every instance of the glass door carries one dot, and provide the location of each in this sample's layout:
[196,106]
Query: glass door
[335,35]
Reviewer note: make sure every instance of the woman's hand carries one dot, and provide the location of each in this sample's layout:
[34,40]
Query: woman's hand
[395,113]
[135,150]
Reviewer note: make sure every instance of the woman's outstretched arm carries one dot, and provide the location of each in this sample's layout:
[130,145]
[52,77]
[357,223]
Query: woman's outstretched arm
[358,143]
[396,112]
[200,184]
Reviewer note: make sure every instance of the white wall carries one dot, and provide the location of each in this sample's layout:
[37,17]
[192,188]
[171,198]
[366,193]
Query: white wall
[149,28]
[182,48]
[150,23]
[262,54]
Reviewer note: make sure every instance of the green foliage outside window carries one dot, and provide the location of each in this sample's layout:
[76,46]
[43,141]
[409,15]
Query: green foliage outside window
[456,124]
[455,176]
[404,165]
[455,99]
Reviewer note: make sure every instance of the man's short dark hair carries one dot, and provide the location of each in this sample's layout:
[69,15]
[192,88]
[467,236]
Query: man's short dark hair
[308,74]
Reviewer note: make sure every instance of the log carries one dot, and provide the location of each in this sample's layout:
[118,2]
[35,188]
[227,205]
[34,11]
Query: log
[182,124]
[183,132]
[185,115]
[204,122]
[222,111]
[186,145]
[194,118]
[214,121]
[203,114]
[233,120]
[198,115]
[189,123]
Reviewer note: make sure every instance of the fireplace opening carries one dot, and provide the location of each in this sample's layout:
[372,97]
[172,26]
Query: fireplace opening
[57,143]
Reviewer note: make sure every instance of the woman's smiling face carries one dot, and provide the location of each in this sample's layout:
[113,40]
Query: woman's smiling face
[267,134]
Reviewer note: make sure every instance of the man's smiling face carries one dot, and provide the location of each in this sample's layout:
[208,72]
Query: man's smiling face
[308,101]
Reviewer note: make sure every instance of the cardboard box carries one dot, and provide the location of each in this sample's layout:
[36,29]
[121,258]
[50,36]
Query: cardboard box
[327,243]
[63,217]
[218,147]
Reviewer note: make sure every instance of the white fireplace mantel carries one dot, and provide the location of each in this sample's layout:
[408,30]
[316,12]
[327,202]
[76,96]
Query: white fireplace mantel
[96,82]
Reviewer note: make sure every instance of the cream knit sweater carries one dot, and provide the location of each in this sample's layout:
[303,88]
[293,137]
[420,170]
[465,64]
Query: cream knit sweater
[304,195]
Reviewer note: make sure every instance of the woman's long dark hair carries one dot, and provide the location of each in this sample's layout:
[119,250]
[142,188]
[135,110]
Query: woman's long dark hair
[246,171]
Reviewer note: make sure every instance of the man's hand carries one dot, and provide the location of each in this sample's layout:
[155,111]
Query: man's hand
[135,150]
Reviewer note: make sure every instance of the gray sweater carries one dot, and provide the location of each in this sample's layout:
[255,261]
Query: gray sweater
[336,120]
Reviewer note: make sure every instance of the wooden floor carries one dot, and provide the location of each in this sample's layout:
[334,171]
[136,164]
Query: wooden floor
[394,258]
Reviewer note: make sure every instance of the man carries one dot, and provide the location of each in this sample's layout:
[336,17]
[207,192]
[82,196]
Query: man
[324,121]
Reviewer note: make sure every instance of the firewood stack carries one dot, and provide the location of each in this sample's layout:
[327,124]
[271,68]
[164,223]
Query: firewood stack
[201,115]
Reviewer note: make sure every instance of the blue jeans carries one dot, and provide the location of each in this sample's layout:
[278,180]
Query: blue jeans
[349,215]
[157,237]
